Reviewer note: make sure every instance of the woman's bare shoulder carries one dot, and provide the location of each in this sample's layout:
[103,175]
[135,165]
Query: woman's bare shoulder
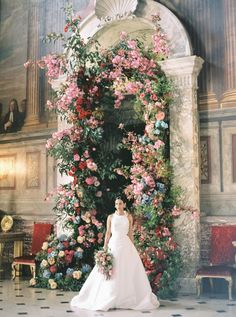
[109,217]
[129,215]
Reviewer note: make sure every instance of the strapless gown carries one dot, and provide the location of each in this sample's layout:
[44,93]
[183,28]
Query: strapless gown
[128,288]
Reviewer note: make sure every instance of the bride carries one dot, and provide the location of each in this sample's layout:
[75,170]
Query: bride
[128,288]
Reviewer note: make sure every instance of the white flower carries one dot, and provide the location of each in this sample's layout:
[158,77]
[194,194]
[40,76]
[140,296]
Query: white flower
[61,254]
[77,274]
[53,285]
[45,246]
[44,263]
[32,282]
[80,239]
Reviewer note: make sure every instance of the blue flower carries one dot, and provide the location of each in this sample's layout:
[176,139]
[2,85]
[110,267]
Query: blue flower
[72,242]
[58,276]
[63,237]
[86,268]
[161,124]
[46,274]
[164,125]
[60,246]
[161,187]
[78,254]
[157,132]
[146,199]
[157,124]
[69,271]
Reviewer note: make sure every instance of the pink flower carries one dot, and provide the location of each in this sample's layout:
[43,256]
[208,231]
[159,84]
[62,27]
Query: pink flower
[49,144]
[176,211]
[166,232]
[150,181]
[76,157]
[89,180]
[138,188]
[123,36]
[158,144]
[91,165]
[160,116]
[132,44]
[86,154]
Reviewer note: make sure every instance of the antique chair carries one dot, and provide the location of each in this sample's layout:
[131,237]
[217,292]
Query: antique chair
[222,258]
[40,233]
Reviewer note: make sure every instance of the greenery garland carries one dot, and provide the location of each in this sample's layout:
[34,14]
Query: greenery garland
[96,83]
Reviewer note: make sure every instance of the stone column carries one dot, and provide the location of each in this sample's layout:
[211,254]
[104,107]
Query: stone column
[206,14]
[184,157]
[32,117]
[229,96]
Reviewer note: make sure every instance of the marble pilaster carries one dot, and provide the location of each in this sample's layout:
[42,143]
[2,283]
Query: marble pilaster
[184,157]
[33,98]
[229,96]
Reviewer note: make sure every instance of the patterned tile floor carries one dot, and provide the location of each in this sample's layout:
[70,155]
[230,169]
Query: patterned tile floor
[18,299]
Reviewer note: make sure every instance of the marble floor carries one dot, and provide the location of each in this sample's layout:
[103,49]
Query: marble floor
[18,299]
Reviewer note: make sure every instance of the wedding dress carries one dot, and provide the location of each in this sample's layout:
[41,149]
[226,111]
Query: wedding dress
[128,288]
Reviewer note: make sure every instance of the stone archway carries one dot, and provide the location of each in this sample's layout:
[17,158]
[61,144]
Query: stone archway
[105,24]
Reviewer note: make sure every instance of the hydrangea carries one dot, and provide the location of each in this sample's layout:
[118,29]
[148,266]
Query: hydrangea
[86,268]
[69,271]
[78,254]
[63,237]
[46,274]
[58,276]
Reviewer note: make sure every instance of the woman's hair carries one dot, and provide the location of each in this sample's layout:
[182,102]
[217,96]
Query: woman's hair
[118,198]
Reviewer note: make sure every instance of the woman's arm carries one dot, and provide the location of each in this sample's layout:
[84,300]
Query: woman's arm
[130,233]
[108,232]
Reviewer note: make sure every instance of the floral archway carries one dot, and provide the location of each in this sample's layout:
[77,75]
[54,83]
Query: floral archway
[94,80]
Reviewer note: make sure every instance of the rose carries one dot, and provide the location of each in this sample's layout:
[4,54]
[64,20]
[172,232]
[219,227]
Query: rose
[80,239]
[53,269]
[89,180]
[44,263]
[76,157]
[61,254]
[77,274]
[160,116]
[91,165]
[98,194]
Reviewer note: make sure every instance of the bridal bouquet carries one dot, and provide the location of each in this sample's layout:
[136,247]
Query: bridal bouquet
[104,262]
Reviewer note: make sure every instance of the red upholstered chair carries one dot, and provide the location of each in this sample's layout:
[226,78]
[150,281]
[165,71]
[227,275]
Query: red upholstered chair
[40,233]
[222,257]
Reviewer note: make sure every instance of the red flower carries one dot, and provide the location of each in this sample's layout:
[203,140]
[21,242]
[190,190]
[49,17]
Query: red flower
[72,171]
[66,27]
[158,232]
[53,269]
[75,180]
[82,165]
[50,250]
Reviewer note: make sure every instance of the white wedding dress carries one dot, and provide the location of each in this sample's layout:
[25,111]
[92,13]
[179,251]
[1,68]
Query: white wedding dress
[128,288]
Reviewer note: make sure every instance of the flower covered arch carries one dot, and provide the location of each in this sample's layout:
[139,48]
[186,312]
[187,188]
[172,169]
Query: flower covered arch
[94,80]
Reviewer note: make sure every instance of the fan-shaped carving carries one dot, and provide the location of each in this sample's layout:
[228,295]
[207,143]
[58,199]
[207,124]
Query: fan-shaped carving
[109,10]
